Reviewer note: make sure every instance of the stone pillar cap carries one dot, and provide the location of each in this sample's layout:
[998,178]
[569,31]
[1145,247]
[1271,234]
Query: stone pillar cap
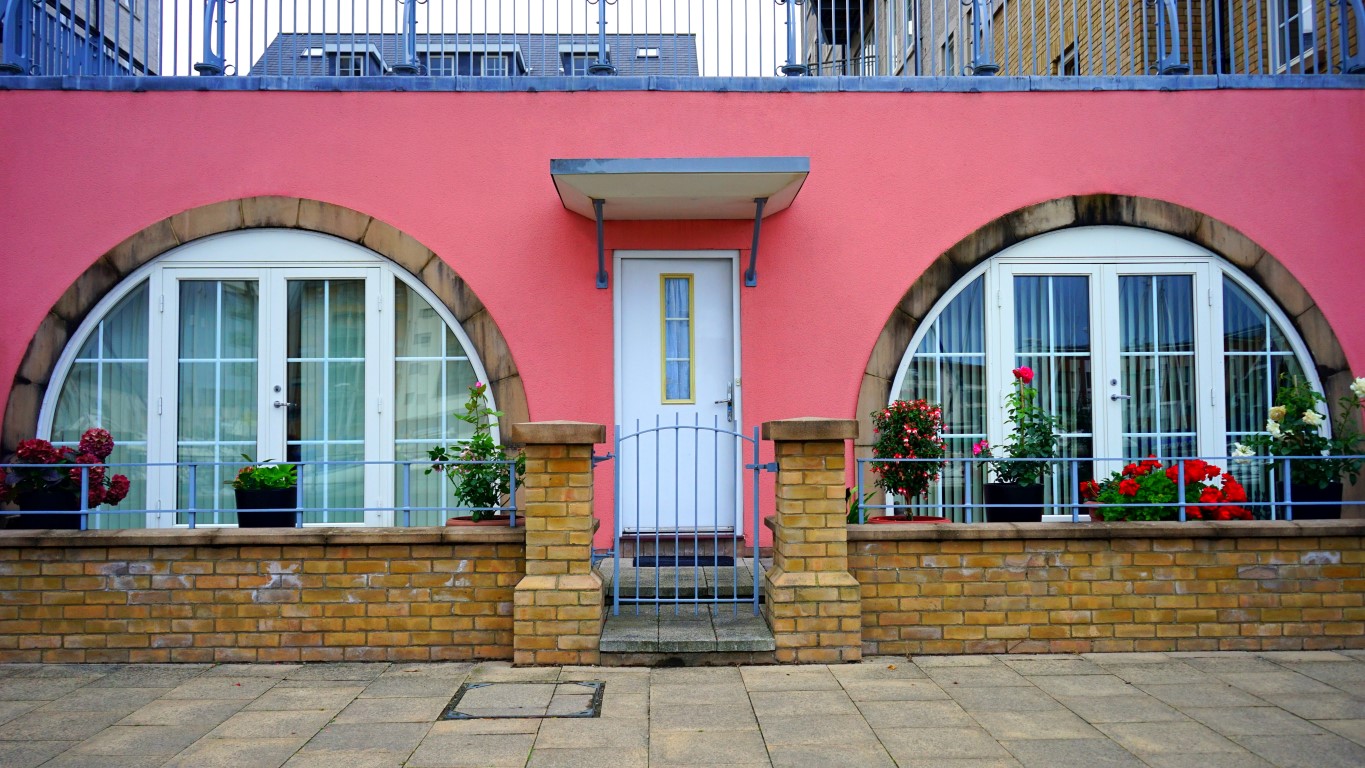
[810,428]
[557,433]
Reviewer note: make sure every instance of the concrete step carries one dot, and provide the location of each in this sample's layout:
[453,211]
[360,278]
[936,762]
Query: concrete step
[686,635]
[693,582]
[683,543]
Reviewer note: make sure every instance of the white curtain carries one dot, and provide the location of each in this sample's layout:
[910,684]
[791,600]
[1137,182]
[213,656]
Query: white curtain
[677,339]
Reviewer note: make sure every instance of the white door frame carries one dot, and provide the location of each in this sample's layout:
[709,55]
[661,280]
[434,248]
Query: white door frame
[618,374]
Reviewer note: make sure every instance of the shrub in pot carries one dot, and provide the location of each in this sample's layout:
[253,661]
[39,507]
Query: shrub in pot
[53,482]
[1016,495]
[482,484]
[267,493]
[907,429]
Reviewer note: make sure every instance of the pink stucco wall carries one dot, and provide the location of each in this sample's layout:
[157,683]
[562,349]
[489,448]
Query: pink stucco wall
[895,180]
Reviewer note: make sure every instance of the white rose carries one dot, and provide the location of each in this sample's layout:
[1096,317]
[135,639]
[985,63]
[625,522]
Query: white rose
[1358,388]
[1312,418]
[1242,450]
[1273,427]
[1277,413]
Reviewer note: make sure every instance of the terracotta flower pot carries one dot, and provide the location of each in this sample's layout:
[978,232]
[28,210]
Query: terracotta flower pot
[1026,503]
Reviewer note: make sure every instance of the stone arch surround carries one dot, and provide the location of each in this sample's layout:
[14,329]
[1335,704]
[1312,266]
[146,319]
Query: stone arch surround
[1093,210]
[64,318]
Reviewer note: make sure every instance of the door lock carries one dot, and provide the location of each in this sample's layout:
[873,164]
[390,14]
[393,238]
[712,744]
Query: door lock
[282,404]
[1120,397]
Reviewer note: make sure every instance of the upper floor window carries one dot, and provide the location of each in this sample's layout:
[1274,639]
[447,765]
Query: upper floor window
[441,65]
[356,65]
[1295,35]
[576,63]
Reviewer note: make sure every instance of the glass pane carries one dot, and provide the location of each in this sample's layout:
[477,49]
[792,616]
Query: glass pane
[677,312]
[679,380]
[346,401]
[417,394]
[1244,324]
[1071,314]
[240,300]
[963,382]
[347,318]
[1136,321]
[123,332]
[1175,312]
[1178,395]
[418,327]
[1031,322]
[1157,365]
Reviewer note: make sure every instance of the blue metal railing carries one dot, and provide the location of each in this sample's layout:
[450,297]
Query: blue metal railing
[311,480]
[707,38]
[956,494]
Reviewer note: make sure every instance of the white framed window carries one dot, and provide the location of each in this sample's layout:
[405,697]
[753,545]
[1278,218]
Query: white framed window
[494,65]
[574,64]
[1141,343]
[355,65]
[1294,34]
[442,65]
[279,344]
[646,53]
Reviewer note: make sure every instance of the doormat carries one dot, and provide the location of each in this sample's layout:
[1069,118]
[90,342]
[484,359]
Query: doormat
[476,701]
[682,561]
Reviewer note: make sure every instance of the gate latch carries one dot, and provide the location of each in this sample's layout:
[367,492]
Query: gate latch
[608,456]
[769,467]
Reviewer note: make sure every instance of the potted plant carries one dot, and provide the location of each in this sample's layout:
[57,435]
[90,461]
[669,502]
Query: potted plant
[482,483]
[1146,490]
[907,430]
[54,485]
[1016,496]
[1294,429]
[267,494]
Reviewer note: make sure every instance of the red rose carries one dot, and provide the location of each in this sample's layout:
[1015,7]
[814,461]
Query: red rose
[1024,374]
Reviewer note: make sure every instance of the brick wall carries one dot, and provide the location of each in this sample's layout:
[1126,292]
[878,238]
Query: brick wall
[258,596]
[1059,588]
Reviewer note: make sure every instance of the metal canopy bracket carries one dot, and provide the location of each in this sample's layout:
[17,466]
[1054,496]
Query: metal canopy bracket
[751,274]
[601,246]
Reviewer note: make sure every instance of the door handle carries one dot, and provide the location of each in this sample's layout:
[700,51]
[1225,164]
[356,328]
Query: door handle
[1120,397]
[729,402]
[282,404]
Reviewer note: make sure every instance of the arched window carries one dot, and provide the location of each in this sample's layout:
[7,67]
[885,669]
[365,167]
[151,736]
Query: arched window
[1142,343]
[277,344]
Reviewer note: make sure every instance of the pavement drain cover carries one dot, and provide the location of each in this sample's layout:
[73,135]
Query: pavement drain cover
[524,699]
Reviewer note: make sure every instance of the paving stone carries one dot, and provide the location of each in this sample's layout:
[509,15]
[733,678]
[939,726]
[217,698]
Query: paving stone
[824,756]
[1276,682]
[1320,751]
[698,695]
[1351,729]
[1107,659]
[1283,657]
[925,662]
[678,748]
[503,725]
[684,637]
[1169,673]
[1071,753]
[77,760]
[272,725]
[388,737]
[100,700]
[1007,699]
[1182,738]
[220,688]
[877,668]
[405,710]
[976,677]
[584,733]
[329,698]
[151,676]
[30,753]
[402,687]
[1202,695]
[625,705]
[340,671]
[1231,663]
[781,678]
[41,688]
[473,751]
[922,743]
[971,762]
[353,758]
[684,717]
[1036,725]
[1323,706]
[280,671]
[447,670]
[618,679]
[49,671]
[206,712]
[1120,709]
[57,726]
[781,703]
[502,672]
[914,714]
[236,753]
[142,739]
[1085,685]
[588,758]
[1053,666]
[12,709]
[830,730]
[1332,673]
[1252,721]
[1207,760]
[697,676]
[894,690]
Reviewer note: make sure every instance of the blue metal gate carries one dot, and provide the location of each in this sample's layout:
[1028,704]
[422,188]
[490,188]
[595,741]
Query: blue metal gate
[679,496]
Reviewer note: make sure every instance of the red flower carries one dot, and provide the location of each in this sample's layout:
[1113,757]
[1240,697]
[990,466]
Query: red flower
[1128,487]
[36,451]
[98,442]
[118,489]
[1090,490]
[1024,374]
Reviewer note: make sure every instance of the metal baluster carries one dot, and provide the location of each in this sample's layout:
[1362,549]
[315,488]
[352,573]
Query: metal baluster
[193,490]
[407,494]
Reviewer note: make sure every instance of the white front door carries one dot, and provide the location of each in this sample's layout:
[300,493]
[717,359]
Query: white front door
[677,390]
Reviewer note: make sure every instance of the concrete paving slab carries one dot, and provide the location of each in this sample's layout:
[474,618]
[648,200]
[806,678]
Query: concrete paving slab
[1036,725]
[1071,753]
[389,737]
[272,725]
[1231,663]
[141,740]
[894,690]
[590,733]
[279,671]
[809,703]
[510,750]
[1216,760]
[504,672]
[1085,685]
[683,717]
[1289,657]
[588,758]
[935,743]
[682,748]
[89,699]
[41,688]
[1330,672]
[1252,721]
[409,687]
[1006,699]
[624,705]
[995,676]
[696,675]
[331,699]
[786,678]
[1323,706]
[1120,709]
[221,688]
[1054,666]
[206,712]
[1351,729]
[435,669]
[1202,695]
[405,710]
[1320,751]
[77,760]
[827,730]
[877,668]
[1170,673]
[824,756]
[1282,681]
[57,726]
[237,753]
[12,709]
[698,695]
[341,670]
[31,754]
[925,662]
[151,676]
[355,758]
[1157,738]
[971,762]
[915,714]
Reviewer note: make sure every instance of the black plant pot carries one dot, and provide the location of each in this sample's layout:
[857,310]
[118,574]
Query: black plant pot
[1331,510]
[1028,497]
[46,501]
[267,507]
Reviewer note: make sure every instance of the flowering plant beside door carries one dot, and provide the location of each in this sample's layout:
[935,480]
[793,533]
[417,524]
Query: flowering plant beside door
[1034,435]
[908,430]
[62,469]
[1134,492]
[1294,428]
[481,482]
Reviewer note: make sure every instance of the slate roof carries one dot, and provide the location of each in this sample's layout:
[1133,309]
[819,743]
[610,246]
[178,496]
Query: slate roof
[288,53]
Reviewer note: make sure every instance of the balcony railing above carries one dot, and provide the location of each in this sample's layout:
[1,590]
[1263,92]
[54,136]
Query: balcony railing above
[679,38]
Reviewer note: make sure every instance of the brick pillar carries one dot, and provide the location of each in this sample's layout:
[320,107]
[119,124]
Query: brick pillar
[812,602]
[557,611]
